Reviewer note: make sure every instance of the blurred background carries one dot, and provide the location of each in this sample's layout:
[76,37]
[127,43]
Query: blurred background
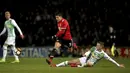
[90,20]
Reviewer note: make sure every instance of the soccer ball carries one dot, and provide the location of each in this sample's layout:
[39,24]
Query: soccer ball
[18,52]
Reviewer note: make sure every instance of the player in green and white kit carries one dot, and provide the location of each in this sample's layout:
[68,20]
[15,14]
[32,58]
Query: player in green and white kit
[90,58]
[10,25]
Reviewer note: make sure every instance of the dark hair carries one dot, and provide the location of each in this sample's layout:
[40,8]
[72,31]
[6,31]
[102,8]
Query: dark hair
[58,14]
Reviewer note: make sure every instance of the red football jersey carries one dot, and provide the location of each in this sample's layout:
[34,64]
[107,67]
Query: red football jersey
[64,30]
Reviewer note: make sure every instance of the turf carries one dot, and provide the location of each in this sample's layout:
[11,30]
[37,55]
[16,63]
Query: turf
[38,65]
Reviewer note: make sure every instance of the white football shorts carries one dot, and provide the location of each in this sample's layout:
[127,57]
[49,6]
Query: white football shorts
[10,41]
[83,60]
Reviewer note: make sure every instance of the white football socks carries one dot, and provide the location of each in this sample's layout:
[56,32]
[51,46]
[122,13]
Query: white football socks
[4,52]
[14,50]
[62,64]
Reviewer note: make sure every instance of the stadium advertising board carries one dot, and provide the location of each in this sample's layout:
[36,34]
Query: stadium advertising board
[43,52]
[30,52]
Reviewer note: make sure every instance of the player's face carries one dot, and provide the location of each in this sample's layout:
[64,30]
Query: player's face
[7,15]
[99,46]
[58,18]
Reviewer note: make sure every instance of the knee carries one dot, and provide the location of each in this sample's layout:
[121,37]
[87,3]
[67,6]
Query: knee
[89,64]
[13,47]
[5,47]
[57,44]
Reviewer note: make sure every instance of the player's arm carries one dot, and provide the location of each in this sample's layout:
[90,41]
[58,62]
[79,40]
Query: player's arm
[62,29]
[3,31]
[88,52]
[17,27]
[113,61]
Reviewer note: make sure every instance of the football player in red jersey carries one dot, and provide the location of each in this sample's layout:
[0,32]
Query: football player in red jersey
[63,38]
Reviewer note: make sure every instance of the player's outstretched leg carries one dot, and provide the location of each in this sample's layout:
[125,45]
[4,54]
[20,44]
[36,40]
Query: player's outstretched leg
[52,54]
[55,51]
[50,63]
[56,65]
[72,63]
[14,53]
[4,53]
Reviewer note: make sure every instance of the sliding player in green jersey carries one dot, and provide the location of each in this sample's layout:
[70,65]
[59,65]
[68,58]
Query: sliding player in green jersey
[89,59]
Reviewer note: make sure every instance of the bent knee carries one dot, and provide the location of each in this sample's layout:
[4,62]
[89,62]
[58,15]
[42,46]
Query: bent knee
[5,47]
[57,44]
[89,64]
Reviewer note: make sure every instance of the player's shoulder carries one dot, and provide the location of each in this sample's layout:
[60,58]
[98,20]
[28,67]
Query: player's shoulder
[93,48]
[12,19]
[64,20]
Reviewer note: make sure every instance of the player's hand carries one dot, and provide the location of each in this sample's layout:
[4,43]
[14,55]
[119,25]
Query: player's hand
[54,38]
[22,36]
[122,66]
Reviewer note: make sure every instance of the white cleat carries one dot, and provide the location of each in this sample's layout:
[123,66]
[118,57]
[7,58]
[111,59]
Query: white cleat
[2,61]
[15,61]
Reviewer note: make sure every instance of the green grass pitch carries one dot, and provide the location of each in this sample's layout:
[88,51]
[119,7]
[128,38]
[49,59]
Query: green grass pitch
[38,65]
